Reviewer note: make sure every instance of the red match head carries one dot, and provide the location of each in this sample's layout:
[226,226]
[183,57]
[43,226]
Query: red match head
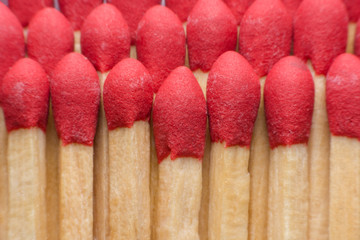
[12,44]
[211,31]
[75,96]
[26,9]
[238,7]
[25,95]
[292,5]
[357,39]
[128,94]
[233,96]
[77,10]
[105,37]
[265,34]
[320,32]
[179,117]
[133,11]
[289,102]
[181,7]
[342,96]
[50,38]
[353,8]
[160,43]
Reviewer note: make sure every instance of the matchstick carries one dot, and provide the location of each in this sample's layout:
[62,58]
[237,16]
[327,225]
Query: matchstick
[182,8]
[271,19]
[288,101]
[357,39]
[319,38]
[75,94]
[179,119]
[76,11]
[25,100]
[12,48]
[238,8]
[104,47]
[342,90]
[128,98]
[205,44]
[353,8]
[292,5]
[233,97]
[133,11]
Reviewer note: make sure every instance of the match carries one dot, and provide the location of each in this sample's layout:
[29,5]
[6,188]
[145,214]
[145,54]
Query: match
[357,39]
[353,8]
[292,5]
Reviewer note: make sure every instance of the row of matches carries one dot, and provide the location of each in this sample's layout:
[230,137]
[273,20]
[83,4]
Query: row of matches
[177,178]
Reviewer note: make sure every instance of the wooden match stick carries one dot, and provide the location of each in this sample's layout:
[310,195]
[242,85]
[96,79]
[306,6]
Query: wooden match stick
[133,11]
[75,93]
[320,38]
[271,19]
[12,48]
[288,101]
[104,47]
[128,98]
[233,96]
[357,39]
[25,100]
[342,91]
[76,11]
[353,8]
[179,119]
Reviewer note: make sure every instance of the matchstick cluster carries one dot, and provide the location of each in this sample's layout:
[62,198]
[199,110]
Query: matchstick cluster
[197,120]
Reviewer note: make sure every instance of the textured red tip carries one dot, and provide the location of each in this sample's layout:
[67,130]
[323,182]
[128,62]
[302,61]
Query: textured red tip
[128,94]
[292,5]
[265,34]
[12,45]
[320,32]
[342,96]
[75,95]
[133,11]
[160,43]
[50,38]
[181,7]
[179,117]
[353,8]
[211,31]
[357,39]
[238,8]
[25,95]
[77,10]
[105,37]
[233,96]
[289,102]
[26,9]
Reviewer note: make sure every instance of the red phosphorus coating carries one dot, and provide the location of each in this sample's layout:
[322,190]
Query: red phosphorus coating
[25,95]
[238,8]
[292,5]
[181,7]
[342,96]
[265,34]
[357,39]
[179,117]
[75,96]
[50,38]
[128,94]
[12,44]
[133,11]
[289,102]
[26,9]
[105,37]
[353,8]
[320,32]
[160,43]
[233,97]
[211,31]
[77,10]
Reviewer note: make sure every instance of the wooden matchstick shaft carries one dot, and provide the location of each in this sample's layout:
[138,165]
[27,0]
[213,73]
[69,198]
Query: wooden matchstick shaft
[77,44]
[3,178]
[154,181]
[351,37]
[133,53]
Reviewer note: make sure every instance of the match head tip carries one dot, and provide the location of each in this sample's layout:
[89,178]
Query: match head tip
[233,97]
[105,37]
[265,34]
[181,8]
[128,94]
[161,43]
[179,117]
[320,32]
[25,95]
[342,94]
[238,8]
[50,38]
[289,101]
[75,95]
[206,44]
[353,8]
[292,5]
